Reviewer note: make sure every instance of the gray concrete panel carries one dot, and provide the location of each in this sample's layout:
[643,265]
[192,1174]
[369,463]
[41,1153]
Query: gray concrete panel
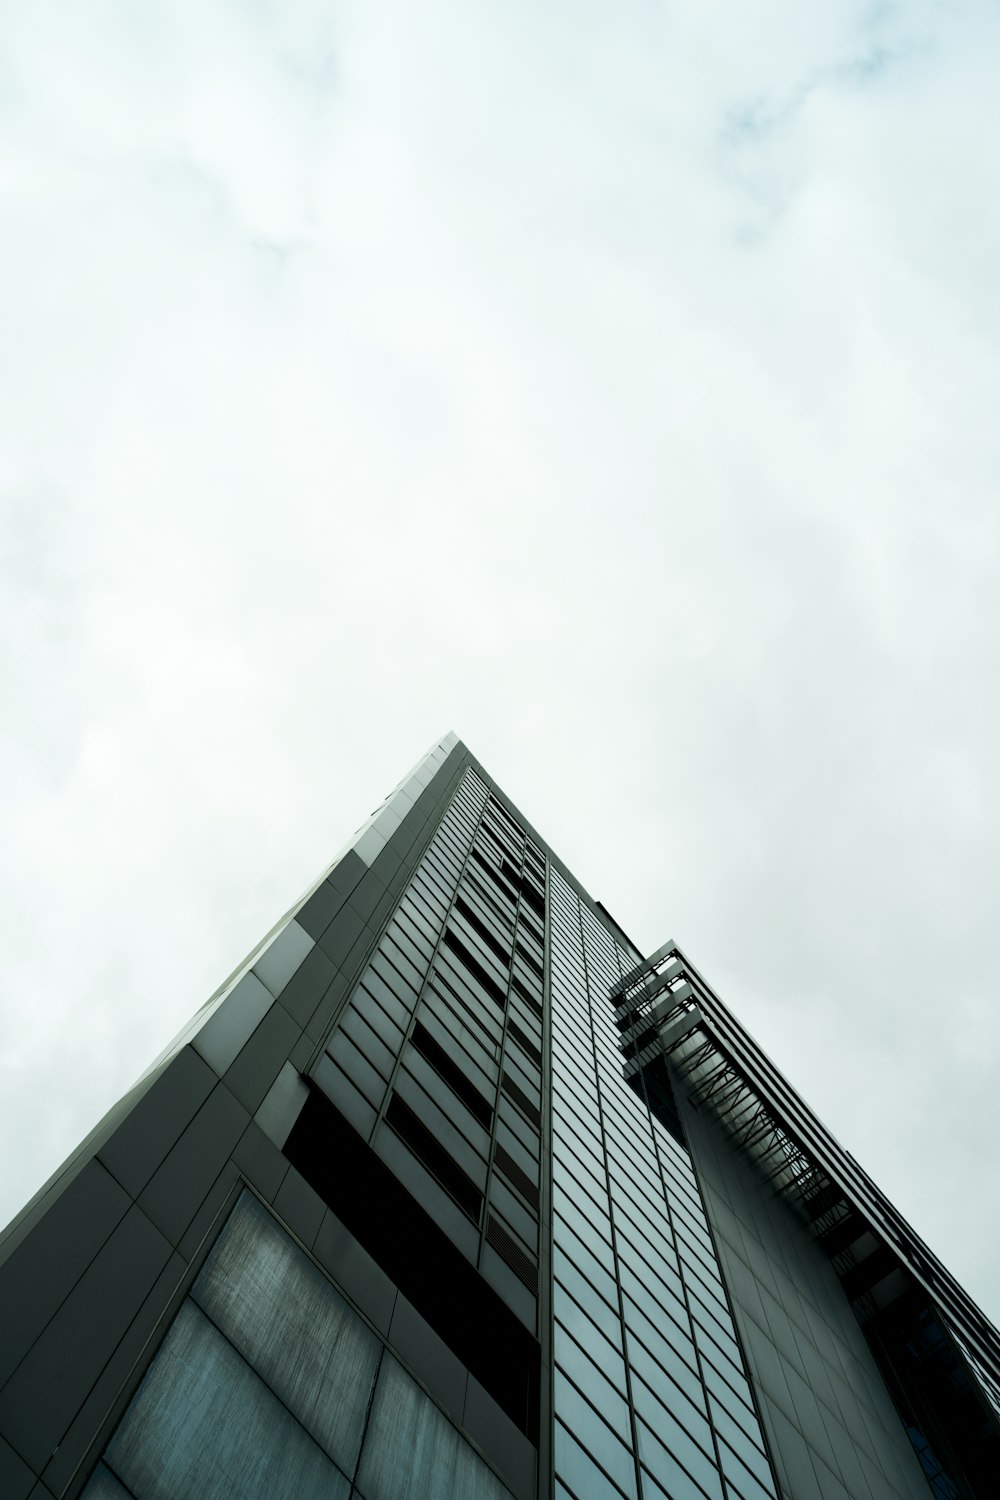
[347,872]
[113,1387]
[204,1223]
[441,1371]
[279,962]
[260,1161]
[261,1060]
[338,939]
[16,1479]
[503,1443]
[232,1023]
[281,1105]
[205,1424]
[178,1188]
[144,1138]
[308,985]
[318,912]
[301,1208]
[366,895]
[292,1327]
[51,1383]
[412,1450]
[319,1022]
[42,1270]
[353,1268]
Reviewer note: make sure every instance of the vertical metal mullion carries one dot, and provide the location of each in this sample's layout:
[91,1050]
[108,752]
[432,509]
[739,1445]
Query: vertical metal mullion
[437,946]
[611,1206]
[682,1266]
[546,1301]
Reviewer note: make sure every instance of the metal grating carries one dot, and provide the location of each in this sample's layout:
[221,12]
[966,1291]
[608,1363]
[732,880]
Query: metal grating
[511,1254]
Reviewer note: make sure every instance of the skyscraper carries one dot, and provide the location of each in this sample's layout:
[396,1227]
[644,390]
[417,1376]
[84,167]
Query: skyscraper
[448,1191]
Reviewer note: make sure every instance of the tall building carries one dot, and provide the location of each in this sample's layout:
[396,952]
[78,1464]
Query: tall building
[449,1191]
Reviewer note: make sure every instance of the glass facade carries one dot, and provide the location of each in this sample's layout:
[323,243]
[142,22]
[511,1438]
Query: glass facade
[436,1057]
[651,1396]
[422,1204]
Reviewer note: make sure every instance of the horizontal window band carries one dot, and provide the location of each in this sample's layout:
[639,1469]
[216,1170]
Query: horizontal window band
[432,1051]
[425,1145]
[475,968]
[516,1175]
[417,1255]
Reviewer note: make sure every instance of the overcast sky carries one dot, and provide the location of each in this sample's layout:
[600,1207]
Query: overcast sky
[615,384]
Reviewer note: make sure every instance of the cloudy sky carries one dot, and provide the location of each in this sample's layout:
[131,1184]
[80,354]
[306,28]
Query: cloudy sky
[616,385]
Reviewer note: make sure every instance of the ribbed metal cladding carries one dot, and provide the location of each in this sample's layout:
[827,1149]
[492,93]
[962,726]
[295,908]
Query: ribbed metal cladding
[513,1173]
[512,1254]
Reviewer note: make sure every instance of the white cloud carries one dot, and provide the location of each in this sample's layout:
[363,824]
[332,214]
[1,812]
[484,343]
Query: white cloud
[618,387]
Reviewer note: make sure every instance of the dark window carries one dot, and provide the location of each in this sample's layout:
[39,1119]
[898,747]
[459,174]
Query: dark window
[502,914]
[424,1144]
[488,936]
[429,1270]
[532,929]
[487,840]
[503,838]
[519,1097]
[452,1074]
[516,1175]
[475,968]
[525,994]
[496,810]
[464,1001]
[494,875]
[534,898]
[532,963]
[523,1040]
